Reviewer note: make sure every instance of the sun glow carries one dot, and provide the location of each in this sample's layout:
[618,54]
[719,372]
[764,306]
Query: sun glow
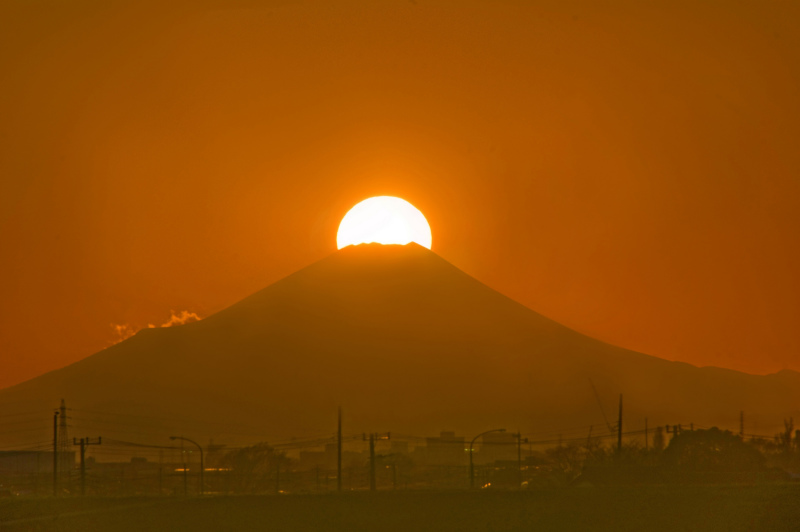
[385,220]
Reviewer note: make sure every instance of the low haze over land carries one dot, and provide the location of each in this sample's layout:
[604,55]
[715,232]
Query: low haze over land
[630,171]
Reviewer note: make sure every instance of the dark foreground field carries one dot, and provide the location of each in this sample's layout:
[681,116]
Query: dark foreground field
[760,508]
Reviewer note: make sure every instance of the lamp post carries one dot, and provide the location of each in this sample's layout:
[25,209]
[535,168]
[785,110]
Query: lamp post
[518,435]
[55,453]
[471,450]
[202,466]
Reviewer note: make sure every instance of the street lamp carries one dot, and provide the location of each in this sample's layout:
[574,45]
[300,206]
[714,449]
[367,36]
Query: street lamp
[518,435]
[471,450]
[202,466]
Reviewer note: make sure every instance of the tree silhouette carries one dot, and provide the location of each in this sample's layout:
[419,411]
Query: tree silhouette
[712,450]
[253,467]
[784,438]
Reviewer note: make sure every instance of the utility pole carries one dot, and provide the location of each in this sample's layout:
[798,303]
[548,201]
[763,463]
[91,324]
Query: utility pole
[674,430]
[339,453]
[518,435]
[62,428]
[55,453]
[83,443]
[645,435]
[372,484]
[185,471]
[741,424]
[619,427]
[83,464]
[372,469]
[277,474]
[63,441]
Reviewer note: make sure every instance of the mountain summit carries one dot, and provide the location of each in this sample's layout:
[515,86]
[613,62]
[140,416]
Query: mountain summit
[403,341]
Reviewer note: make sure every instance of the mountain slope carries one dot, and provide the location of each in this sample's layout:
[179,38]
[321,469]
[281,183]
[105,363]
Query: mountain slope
[403,341]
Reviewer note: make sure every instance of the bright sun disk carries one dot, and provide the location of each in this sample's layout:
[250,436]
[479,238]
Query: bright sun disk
[384,220]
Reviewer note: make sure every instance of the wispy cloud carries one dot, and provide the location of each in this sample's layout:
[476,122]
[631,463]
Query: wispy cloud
[123,331]
[178,318]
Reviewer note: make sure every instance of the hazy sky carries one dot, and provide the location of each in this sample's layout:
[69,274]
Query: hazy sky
[630,169]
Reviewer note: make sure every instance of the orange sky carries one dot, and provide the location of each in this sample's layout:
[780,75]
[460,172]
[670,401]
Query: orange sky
[630,169]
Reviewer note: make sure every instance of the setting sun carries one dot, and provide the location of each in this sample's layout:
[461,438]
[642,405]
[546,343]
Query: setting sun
[385,220]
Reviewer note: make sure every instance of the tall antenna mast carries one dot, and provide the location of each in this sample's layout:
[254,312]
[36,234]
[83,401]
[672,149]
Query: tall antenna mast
[64,445]
[600,404]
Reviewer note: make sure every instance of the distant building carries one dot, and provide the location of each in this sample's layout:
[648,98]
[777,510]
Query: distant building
[312,460]
[32,462]
[401,447]
[496,446]
[447,449]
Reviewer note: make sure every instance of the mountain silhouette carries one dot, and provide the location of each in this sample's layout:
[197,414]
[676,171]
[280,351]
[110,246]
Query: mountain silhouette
[403,341]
